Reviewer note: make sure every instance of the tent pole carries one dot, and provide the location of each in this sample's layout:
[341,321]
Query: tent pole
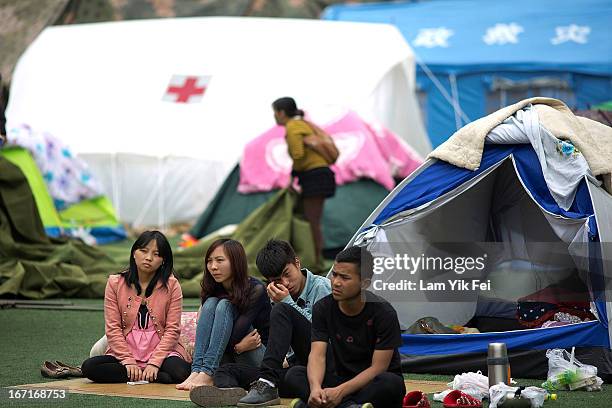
[441,89]
[455,93]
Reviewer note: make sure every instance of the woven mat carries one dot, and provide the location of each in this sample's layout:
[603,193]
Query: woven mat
[167,391]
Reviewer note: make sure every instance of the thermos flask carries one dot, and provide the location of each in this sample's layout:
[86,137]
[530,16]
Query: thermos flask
[497,364]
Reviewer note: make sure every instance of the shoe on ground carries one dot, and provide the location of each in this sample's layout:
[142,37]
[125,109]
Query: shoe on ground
[51,370]
[416,399]
[261,394]
[459,399]
[74,371]
[210,396]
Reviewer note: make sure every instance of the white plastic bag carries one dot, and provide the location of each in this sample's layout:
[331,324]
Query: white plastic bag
[440,396]
[535,395]
[474,384]
[564,369]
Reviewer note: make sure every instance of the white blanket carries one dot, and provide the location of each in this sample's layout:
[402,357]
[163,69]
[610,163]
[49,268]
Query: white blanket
[563,166]
[464,148]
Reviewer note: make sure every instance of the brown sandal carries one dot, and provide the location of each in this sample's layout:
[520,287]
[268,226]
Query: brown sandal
[73,371]
[51,370]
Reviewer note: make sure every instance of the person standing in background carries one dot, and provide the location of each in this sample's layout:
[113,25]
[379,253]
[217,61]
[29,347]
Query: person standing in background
[309,166]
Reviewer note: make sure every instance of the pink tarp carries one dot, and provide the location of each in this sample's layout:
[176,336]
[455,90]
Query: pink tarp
[367,150]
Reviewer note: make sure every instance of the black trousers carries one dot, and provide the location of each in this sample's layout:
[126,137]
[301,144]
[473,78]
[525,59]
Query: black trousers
[107,369]
[288,328]
[241,375]
[386,390]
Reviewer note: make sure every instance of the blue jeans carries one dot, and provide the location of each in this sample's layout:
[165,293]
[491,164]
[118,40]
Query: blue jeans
[212,334]
[251,358]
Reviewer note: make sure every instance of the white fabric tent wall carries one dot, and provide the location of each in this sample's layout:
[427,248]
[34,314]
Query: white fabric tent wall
[99,88]
[165,185]
[521,222]
[602,204]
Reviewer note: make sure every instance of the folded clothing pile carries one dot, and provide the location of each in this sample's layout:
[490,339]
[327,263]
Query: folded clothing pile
[542,306]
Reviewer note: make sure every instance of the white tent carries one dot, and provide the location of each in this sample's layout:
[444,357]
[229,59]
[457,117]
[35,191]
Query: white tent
[103,89]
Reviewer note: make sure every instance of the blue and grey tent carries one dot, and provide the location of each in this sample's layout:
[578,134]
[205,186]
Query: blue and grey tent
[475,56]
[511,202]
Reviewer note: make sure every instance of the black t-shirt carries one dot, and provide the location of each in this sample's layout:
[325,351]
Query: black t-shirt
[353,339]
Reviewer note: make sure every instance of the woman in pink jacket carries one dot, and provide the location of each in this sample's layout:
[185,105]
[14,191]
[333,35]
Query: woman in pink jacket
[142,315]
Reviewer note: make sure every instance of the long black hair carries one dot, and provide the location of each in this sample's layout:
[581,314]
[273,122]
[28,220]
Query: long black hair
[240,273]
[163,272]
[287,105]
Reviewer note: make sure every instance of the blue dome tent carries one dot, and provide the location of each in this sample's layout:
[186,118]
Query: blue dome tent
[475,56]
[506,202]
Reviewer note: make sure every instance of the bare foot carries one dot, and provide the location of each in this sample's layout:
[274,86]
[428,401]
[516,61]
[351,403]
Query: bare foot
[201,379]
[185,384]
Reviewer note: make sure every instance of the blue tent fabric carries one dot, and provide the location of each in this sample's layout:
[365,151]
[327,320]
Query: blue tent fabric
[588,334]
[103,235]
[441,177]
[437,180]
[470,44]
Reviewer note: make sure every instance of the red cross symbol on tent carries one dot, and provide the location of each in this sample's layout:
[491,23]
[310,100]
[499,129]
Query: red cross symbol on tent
[186,88]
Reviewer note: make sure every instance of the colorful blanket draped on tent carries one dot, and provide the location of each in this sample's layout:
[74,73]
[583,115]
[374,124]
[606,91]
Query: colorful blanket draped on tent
[367,150]
[68,178]
[70,200]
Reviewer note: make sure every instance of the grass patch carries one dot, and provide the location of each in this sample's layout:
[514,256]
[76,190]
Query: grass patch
[28,337]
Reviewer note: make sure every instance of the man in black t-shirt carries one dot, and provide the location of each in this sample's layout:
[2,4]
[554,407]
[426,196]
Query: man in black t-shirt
[363,332]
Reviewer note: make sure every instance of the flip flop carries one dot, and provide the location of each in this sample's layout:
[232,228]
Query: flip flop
[416,399]
[459,399]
